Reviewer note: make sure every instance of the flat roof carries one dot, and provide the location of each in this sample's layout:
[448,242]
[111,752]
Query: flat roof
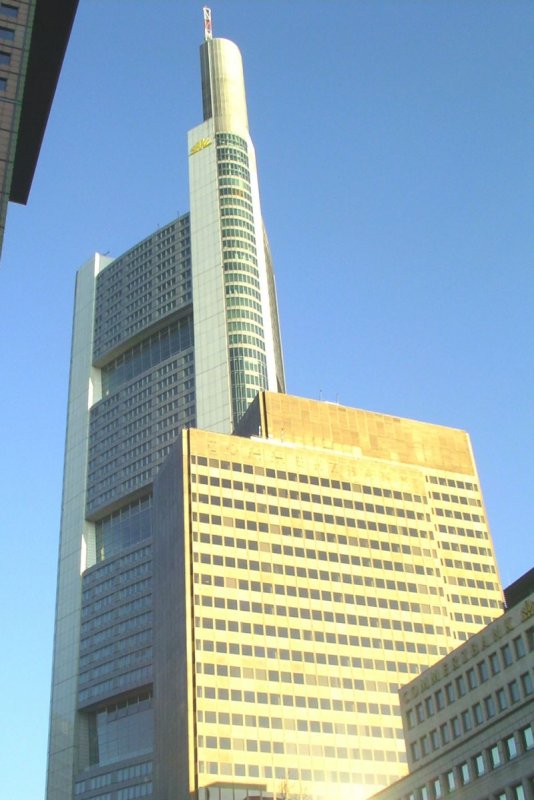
[50,35]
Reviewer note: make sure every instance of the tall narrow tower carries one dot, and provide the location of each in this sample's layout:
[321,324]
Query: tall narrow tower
[237,343]
[182,329]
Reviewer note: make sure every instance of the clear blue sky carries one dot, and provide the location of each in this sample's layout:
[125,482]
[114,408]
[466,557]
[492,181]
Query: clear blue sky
[394,142]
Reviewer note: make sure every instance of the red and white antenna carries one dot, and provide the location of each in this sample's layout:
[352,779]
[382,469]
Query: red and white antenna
[207,23]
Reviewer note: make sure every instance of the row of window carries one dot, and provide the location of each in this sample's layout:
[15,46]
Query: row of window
[474,676]
[118,647]
[121,612]
[116,685]
[238,744]
[221,693]
[491,758]
[284,773]
[288,723]
[290,590]
[476,715]
[111,634]
[453,484]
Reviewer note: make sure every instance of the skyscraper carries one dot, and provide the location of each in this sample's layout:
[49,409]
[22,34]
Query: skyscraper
[239,627]
[180,330]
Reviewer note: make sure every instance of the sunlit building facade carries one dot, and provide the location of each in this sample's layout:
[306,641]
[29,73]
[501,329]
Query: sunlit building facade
[469,719]
[304,571]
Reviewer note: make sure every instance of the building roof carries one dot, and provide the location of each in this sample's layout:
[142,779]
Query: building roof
[51,30]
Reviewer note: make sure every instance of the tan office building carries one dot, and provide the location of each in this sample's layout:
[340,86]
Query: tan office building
[303,572]
[469,720]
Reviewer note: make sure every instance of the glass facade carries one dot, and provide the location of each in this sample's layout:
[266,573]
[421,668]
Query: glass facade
[245,324]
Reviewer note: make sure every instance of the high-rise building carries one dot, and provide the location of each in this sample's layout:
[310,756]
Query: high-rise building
[180,330]
[240,628]
[303,571]
[33,39]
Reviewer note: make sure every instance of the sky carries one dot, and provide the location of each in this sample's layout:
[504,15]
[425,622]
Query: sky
[394,144]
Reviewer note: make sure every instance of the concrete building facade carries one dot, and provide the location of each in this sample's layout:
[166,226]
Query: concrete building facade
[469,719]
[303,573]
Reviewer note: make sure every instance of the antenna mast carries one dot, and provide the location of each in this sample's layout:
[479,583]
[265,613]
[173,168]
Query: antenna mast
[207,23]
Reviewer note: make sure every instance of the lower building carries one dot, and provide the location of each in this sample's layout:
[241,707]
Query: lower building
[303,571]
[468,720]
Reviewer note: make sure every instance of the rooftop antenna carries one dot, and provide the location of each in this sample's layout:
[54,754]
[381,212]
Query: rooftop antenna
[207,23]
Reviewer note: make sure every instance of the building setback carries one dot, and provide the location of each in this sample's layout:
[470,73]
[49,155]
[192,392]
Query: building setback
[468,720]
[297,572]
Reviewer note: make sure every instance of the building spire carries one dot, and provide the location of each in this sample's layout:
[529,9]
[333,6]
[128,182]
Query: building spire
[207,23]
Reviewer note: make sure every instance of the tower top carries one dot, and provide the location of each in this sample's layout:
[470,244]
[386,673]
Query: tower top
[207,23]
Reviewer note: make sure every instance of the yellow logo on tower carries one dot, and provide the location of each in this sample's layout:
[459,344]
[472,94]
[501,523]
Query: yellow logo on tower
[200,145]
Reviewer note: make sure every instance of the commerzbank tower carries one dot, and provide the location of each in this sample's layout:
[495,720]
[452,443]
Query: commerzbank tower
[245,578]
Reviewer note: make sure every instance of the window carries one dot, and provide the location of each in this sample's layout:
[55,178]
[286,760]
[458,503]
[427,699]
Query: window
[7,34]
[445,736]
[416,753]
[8,10]
[494,663]
[429,704]
[526,683]
[489,704]
[479,765]
[513,691]
[511,747]
[483,671]
[519,647]
[506,653]
[449,691]
[436,786]
[434,738]
[455,727]
[419,712]
[495,756]
[464,773]
[530,638]
[466,720]
[518,793]
[440,699]
[5,58]
[424,793]
[502,702]
[460,686]
[471,678]
[478,714]
[451,780]
[3,84]
[411,718]
[528,738]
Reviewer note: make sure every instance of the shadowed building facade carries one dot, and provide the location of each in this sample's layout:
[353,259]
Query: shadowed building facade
[33,39]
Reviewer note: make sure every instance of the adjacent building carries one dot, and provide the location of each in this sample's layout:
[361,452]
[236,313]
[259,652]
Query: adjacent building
[33,39]
[245,578]
[469,719]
